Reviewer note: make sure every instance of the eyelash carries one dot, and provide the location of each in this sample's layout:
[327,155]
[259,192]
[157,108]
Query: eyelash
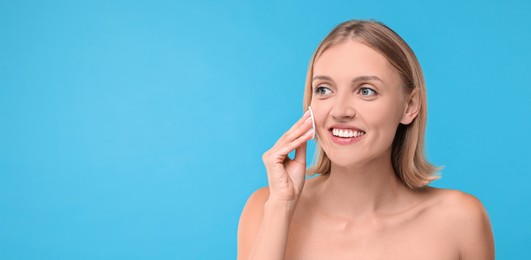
[368,89]
[317,89]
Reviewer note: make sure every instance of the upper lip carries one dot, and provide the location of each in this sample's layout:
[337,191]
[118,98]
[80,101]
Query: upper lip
[345,126]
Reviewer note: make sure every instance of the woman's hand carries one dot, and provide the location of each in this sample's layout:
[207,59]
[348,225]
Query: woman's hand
[285,175]
[264,224]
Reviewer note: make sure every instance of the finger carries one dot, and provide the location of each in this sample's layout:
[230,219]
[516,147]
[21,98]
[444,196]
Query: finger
[295,133]
[293,141]
[300,154]
[301,122]
[290,146]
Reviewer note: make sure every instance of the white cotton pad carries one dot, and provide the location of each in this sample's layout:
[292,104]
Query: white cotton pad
[313,121]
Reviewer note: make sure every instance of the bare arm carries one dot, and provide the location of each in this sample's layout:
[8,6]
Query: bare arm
[265,220]
[263,228]
[250,221]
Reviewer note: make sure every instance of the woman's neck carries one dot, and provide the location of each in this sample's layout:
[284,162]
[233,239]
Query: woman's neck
[360,191]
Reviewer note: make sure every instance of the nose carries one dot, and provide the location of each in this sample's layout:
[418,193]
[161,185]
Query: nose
[343,108]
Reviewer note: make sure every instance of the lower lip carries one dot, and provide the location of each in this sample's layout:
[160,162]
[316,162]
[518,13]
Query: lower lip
[345,141]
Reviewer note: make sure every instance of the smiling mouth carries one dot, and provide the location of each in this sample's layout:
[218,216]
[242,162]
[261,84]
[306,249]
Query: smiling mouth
[346,133]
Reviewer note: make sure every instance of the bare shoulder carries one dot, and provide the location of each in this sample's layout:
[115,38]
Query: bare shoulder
[253,211]
[259,196]
[461,205]
[250,220]
[446,199]
[467,220]
[457,207]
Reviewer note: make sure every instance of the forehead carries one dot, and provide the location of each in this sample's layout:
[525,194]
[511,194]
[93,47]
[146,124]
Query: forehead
[351,59]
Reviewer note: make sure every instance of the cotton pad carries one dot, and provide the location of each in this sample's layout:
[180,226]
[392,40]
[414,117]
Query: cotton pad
[313,121]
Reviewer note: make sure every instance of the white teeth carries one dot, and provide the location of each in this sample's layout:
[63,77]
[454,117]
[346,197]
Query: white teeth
[347,133]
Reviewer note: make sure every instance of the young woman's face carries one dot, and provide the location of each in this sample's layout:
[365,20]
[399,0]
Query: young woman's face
[358,102]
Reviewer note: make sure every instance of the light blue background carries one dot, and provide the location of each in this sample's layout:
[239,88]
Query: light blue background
[135,129]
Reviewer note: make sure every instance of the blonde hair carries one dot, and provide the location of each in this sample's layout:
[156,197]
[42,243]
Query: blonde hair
[408,160]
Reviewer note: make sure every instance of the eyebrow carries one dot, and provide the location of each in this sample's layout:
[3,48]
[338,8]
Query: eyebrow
[354,80]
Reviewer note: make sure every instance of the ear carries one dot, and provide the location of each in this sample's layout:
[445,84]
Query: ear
[412,107]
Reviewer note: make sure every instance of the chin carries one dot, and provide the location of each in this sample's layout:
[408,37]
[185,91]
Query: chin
[348,159]
[344,160]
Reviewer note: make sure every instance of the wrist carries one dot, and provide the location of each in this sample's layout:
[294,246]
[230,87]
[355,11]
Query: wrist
[276,205]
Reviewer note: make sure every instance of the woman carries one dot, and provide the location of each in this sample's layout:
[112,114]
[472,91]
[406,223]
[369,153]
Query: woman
[372,199]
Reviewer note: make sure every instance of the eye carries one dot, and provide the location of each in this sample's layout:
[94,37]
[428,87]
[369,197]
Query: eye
[320,90]
[367,92]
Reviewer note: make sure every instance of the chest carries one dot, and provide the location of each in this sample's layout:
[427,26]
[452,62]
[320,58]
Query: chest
[404,237]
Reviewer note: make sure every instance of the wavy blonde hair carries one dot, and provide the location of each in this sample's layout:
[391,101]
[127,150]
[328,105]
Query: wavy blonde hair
[409,162]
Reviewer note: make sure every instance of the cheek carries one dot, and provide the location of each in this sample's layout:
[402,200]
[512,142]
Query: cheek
[383,111]
[382,120]
[320,112]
